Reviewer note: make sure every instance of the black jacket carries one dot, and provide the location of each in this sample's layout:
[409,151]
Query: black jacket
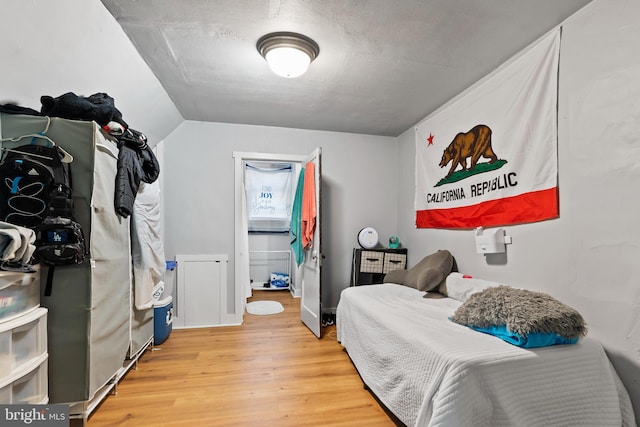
[136,163]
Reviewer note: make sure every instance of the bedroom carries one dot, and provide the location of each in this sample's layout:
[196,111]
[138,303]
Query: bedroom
[586,257]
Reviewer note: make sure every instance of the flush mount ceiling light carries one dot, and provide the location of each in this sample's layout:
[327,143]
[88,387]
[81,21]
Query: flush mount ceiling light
[288,54]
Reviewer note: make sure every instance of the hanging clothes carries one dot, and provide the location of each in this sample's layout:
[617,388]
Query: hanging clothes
[295,230]
[136,164]
[309,205]
[147,250]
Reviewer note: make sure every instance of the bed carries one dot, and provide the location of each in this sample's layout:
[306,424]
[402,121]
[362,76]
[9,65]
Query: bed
[430,371]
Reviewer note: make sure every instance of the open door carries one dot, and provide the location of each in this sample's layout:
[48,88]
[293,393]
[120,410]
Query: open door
[310,302]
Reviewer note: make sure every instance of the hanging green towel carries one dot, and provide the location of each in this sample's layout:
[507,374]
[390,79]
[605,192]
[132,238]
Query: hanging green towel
[295,232]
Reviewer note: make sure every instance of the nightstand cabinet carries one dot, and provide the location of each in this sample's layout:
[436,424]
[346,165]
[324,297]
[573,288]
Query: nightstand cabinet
[369,266]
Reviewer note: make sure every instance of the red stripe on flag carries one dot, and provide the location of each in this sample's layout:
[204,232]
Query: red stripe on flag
[529,207]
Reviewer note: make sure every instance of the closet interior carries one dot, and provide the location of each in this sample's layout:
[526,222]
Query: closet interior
[269,188]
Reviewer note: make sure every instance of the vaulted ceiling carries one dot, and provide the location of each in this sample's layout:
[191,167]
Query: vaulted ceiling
[383,65]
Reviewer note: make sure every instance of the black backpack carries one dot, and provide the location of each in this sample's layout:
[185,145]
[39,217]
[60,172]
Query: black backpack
[35,191]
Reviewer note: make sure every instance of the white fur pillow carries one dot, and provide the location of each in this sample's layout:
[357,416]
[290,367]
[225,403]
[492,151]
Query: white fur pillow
[460,286]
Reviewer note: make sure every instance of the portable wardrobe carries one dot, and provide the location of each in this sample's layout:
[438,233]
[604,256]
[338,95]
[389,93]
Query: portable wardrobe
[93,329]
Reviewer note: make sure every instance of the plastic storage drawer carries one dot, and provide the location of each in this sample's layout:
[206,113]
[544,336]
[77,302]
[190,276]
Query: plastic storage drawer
[19,293]
[27,385]
[22,340]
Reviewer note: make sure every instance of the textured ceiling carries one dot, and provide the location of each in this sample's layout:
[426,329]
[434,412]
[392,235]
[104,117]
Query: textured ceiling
[383,66]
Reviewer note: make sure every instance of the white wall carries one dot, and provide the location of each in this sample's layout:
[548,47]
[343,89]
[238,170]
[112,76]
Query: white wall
[54,47]
[588,257]
[358,189]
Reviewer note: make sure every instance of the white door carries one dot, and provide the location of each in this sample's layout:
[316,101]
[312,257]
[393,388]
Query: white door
[310,302]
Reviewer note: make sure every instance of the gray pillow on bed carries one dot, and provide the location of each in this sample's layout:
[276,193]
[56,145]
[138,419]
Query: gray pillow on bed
[521,311]
[426,275]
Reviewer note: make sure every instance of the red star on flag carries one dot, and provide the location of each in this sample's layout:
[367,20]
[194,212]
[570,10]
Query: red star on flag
[430,139]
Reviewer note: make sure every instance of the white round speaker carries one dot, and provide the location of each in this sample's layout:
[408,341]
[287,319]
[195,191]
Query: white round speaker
[368,238]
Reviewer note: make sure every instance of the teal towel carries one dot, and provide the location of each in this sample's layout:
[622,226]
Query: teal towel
[295,231]
[531,340]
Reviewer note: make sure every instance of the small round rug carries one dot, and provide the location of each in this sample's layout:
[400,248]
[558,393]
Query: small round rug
[264,307]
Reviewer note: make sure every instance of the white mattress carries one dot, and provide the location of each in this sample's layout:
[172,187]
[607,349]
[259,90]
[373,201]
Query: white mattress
[430,371]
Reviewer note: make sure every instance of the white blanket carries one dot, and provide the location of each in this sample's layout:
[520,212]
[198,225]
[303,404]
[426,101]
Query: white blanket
[430,371]
[460,287]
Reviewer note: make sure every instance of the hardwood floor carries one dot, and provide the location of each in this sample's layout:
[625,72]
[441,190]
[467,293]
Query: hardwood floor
[271,371]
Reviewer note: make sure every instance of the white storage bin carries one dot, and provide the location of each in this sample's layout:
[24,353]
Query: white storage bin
[371,262]
[27,385]
[22,340]
[19,293]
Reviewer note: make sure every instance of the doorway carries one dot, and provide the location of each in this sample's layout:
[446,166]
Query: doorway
[242,253]
[270,191]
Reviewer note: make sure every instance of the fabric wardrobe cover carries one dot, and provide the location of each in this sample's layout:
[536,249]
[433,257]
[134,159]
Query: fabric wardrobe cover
[90,321]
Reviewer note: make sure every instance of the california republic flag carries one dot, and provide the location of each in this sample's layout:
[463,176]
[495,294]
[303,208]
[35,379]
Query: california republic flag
[489,157]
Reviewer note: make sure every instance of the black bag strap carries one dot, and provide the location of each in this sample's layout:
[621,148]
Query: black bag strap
[49,285]
[61,204]
[61,201]
[58,171]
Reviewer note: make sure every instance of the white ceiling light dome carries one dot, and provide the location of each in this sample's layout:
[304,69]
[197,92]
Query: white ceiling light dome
[288,54]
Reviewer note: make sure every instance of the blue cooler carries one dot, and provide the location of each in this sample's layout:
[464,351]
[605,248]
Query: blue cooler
[162,319]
